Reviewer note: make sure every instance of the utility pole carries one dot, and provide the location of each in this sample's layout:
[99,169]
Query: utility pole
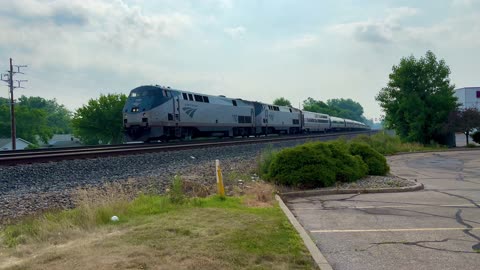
[9,79]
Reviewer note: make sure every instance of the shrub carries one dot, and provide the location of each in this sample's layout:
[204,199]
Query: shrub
[303,165]
[315,164]
[376,162]
[476,136]
[349,167]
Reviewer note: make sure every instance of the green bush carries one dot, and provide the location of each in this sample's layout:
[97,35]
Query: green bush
[476,136]
[349,167]
[265,160]
[381,142]
[315,164]
[376,162]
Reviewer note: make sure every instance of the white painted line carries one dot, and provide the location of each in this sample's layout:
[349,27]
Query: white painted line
[387,206]
[396,230]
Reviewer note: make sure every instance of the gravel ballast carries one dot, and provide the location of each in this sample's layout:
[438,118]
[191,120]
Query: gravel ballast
[28,189]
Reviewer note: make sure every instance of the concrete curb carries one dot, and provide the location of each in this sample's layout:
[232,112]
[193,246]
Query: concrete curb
[312,248]
[306,193]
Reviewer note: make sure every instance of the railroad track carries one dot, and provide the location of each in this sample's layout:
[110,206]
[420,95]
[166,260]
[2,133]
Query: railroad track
[10,158]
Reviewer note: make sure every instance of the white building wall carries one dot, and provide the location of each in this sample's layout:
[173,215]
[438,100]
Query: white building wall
[469,97]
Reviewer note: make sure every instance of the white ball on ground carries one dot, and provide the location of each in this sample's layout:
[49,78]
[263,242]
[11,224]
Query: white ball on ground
[114,218]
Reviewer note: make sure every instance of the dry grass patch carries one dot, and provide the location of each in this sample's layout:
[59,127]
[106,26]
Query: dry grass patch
[155,233]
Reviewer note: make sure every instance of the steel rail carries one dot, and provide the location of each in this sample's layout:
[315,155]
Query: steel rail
[129,149]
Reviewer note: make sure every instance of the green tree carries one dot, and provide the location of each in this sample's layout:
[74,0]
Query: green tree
[318,106]
[418,98]
[31,123]
[58,117]
[100,121]
[281,101]
[346,108]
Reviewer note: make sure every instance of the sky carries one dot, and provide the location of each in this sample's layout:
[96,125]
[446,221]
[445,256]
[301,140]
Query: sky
[250,49]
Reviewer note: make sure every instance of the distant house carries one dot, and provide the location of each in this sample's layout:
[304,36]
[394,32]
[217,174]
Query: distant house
[6,144]
[62,140]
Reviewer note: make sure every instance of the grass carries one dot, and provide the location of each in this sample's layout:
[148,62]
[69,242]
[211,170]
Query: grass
[158,232]
[388,145]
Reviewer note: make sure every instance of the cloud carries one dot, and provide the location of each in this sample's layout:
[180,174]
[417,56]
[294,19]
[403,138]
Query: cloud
[463,3]
[381,30]
[112,21]
[299,42]
[235,32]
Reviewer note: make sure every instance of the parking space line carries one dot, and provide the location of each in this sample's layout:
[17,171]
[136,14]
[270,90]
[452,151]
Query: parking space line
[396,230]
[469,205]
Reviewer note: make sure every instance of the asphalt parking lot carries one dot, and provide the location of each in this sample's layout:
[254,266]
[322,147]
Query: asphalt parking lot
[436,228]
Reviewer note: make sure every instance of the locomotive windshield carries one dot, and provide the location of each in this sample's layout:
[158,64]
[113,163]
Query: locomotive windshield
[143,93]
[144,98]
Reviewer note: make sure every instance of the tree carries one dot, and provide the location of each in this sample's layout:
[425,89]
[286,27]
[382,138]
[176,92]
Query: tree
[31,122]
[281,101]
[464,121]
[418,99]
[58,117]
[346,108]
[100,121]
[339,107]
[318,106]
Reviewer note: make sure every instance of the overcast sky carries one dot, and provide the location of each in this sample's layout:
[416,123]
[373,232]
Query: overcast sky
[250,49]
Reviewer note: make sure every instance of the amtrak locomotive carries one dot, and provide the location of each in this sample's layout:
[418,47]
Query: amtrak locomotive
[162,113]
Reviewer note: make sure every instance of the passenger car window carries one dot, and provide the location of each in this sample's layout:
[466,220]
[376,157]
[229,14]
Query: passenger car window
[198,98]
[234,102]
[205,99]
[184,96]
[190,97]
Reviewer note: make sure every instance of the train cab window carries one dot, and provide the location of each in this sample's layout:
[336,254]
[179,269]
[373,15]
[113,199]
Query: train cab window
[190,97]
[248,119]
[241,119]
[170,117]
[198,98]
[205,99]
[134,94]
[234,102]
[185,97]
[290,110]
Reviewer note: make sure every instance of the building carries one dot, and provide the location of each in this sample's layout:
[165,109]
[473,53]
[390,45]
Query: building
[468,97]
[6,144]
[62,140]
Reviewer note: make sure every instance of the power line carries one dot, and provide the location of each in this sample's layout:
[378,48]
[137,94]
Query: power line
[8,78]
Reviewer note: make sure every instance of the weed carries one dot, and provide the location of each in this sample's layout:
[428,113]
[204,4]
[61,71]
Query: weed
[176,193]
[265,159]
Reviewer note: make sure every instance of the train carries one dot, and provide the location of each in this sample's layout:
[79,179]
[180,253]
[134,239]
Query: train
[161,113]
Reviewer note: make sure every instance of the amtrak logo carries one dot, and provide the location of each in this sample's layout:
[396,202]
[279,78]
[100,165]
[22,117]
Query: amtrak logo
[189,111]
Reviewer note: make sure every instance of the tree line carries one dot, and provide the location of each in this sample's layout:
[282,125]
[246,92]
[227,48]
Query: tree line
[339,107]
[38,119]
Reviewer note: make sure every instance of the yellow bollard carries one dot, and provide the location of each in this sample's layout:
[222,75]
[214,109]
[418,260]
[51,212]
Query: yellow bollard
[220,187]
